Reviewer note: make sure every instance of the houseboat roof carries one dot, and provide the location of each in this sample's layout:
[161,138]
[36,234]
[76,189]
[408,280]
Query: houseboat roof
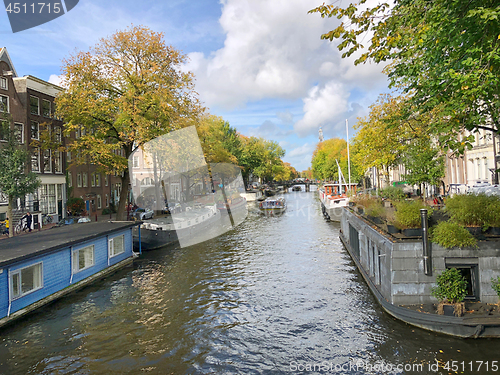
[26,246]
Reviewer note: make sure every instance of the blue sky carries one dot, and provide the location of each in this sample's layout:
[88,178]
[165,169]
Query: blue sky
[260,64]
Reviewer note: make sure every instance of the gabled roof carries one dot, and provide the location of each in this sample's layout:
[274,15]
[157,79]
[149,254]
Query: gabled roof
[4,56]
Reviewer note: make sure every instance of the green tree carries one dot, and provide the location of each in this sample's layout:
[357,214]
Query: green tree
[424,162]
[15,181]
[261,158]
[446,53]
[124,92]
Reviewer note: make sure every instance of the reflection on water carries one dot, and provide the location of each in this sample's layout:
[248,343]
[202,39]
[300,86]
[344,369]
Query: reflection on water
[273,295]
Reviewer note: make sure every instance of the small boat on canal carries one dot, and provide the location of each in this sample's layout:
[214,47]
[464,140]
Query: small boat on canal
[273,205]
[184,227]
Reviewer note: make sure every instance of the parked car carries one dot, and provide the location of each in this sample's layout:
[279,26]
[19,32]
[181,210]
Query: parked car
[143,214]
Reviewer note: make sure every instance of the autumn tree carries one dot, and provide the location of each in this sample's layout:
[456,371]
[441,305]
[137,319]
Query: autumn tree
[325,158]
[445,53]
[15,181]
[388,137]
[127,90]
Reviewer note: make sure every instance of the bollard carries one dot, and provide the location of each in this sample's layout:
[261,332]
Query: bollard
[425,243]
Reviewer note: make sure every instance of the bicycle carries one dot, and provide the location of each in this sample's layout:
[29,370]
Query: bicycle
[21,226]
[46,219]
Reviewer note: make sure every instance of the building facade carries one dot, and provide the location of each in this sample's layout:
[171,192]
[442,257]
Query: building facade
[29,103]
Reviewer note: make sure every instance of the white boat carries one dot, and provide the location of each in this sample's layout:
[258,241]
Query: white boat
[273,205]
[185,227]
[334,197]
[252,195]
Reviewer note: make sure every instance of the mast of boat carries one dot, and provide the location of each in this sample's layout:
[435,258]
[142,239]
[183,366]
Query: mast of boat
[348,156]
[341,177]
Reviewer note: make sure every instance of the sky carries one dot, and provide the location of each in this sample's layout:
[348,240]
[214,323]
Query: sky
[259,64]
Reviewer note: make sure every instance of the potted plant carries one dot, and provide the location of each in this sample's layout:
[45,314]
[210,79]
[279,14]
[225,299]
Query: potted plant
[450,291]
[449,234]
[476,212]
[408,218]
[375,211]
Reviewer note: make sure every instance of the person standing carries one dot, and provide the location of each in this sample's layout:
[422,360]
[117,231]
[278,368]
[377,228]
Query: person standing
[29,220]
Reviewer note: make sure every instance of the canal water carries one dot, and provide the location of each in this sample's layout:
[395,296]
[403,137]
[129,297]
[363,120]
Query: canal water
[276,295]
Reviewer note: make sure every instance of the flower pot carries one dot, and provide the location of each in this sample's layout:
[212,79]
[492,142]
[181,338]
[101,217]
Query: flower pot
[448,310]
[475,231]
[494,231]
[375,220]
[392,229]
[412,232]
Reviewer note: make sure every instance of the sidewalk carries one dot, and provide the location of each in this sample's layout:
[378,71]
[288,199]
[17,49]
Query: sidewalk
[101,218]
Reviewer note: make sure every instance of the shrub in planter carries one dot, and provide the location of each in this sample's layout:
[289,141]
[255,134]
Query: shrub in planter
[449,234]
[474,210]
[452,289]
[407,214]
[375,209]
[495,284]
[392,193]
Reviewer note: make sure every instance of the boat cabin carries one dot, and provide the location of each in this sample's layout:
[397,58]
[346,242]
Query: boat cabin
[37,268]
[333,189]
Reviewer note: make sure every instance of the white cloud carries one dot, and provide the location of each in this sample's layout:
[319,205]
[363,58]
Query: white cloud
[322,106]
[272,49]
[56,80]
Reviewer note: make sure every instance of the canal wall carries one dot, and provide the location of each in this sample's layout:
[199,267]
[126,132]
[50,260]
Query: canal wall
[396,267]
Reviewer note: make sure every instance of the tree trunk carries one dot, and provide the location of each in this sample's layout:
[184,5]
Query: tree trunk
[9,216]
[121,214]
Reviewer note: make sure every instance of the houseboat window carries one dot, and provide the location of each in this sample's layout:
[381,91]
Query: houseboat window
[116,245]
[471,275]
[83,258]
[26,280]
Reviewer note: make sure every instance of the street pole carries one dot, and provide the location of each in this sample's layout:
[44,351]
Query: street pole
[348,156]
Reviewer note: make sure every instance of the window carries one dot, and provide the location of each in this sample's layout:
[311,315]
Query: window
[3,130]
[68,156]
[105,180]
[3,83]
[70,179]
[34,105]
[58,162]
[98,179]
[79,180]
[35,130]
[46,108]
[25,280]
[99,202]
[136,162]
[116,246]
[47,161]
[58,133]
[106,200]
[47,194]
[35,160]
[83,258]
[85,179]
[92,180]
[19,132]
[4,103]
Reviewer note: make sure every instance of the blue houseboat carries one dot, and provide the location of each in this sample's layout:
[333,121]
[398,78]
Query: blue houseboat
[38,268]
